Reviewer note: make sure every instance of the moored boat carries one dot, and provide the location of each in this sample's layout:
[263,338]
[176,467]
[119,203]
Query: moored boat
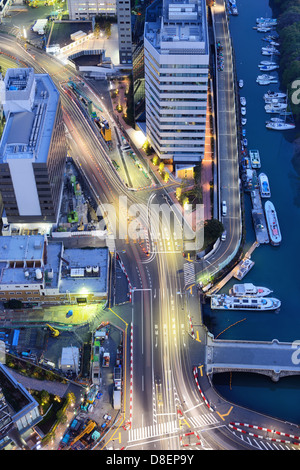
[274,94]
[264,186]
[243,268]
[243,101]
[275,107]
[227,302]
[243,111]
[241,290]
[241,83]
[244,121]
[268,68]
[272,223]
[266,82]
[254,158]
[280,125]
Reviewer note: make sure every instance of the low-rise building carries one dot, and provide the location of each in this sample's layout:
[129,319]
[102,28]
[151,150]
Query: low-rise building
[20,411]
[33,270]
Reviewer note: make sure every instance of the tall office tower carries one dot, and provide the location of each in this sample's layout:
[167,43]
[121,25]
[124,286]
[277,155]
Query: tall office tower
[176,79]
[87,9]
[124,30]
[32,148]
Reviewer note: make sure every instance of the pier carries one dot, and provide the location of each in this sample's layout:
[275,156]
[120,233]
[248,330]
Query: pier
[258,216]
[233,272]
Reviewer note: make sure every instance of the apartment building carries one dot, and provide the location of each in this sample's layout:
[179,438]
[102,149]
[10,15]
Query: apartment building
[32,148]
[176,56]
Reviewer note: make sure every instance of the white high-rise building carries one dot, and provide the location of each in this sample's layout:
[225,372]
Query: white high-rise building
[176,79]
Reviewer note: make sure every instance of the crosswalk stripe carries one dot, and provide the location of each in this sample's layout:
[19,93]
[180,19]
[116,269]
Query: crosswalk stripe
[189,273]
[159,429]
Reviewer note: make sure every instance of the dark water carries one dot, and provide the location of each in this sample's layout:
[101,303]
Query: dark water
[275,267]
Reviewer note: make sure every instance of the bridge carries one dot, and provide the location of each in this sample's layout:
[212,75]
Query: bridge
[273,358]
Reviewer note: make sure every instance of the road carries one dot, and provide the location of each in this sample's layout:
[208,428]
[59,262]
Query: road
[162,402]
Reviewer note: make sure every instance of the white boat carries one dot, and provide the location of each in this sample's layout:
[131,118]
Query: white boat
[264,21]
[275,107]
[243,268]
[227,302]
[243,110]
[274,100]
[254,158]
[266,82]
[272,223]
[241,83]
[270,52]
[262,29]
[268,68]
[265,76]
[264,186]
[280,125]
[243,101]
[241,290]
[274,94]
[267,62]
[269,48]
[244,121]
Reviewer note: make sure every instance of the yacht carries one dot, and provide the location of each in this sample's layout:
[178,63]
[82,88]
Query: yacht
[264,186]
[243,101]
[243,268]
[270,100]
[240,290]
[274,94]
[280,125]
[267,52]
[254,158]
[275,107]
[243,110]
[266,82]
[241,83]
[265,76]
[266,21]
[267,62]
[272,223]
[262,29]
[267,68]
[244,121]
[227,302]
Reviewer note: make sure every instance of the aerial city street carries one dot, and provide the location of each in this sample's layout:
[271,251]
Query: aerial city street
[149,190]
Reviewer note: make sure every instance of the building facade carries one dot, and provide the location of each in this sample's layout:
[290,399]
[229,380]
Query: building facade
[125,33]
[176,54]
[86,10]
[32,148]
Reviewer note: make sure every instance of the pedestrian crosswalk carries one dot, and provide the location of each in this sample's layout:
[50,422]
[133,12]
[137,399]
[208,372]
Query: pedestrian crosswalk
[156,430]
[171,427]
[203,420]
[189,273]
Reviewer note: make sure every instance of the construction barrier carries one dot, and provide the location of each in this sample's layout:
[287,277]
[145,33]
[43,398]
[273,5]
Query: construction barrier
[201,393]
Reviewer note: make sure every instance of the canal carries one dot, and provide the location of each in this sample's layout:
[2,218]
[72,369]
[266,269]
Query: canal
[275,267]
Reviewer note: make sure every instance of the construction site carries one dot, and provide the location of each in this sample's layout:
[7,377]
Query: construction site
[91,360]
[101,405]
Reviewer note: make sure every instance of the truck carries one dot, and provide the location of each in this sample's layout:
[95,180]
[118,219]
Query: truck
[117,399]
[106,359]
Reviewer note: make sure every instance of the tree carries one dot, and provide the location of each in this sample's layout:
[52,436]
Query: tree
[161,167]
[213,229]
